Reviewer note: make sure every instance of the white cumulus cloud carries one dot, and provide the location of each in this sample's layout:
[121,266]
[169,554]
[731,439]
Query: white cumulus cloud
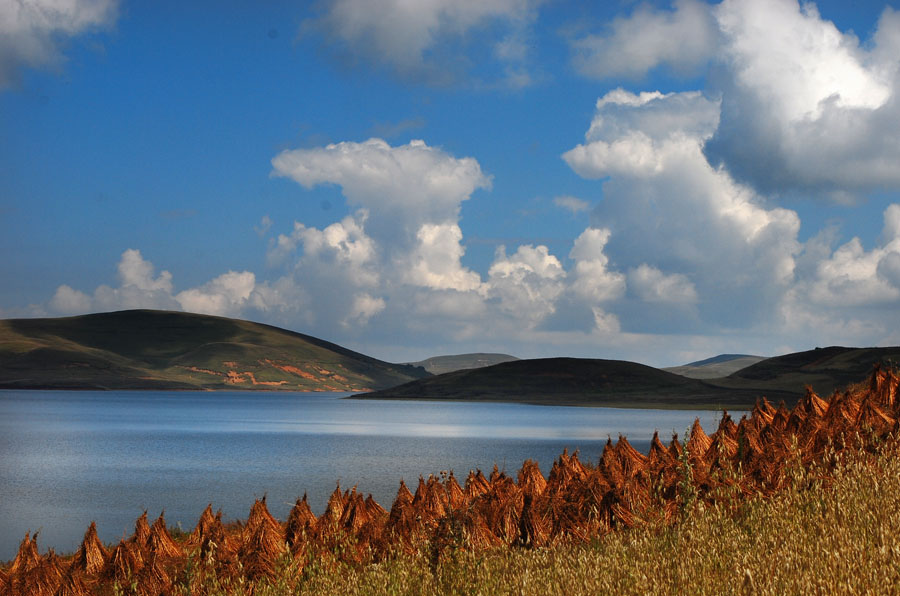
[652,285]
[225,295]
[140,287]
[683,39]
[69,301]
[806,107]
[594,282]
[417,39]
[33,31]
[528,282]
[436,260]
[403,187]
[669,209]
[852,276]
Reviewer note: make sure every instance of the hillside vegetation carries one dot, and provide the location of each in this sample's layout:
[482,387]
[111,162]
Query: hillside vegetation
[571,381]
[145,349]
[617,383]
[784,501]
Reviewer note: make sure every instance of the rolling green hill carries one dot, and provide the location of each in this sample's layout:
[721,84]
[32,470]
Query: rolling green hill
[145,349]
[587,382]
[824,369]
[572,381]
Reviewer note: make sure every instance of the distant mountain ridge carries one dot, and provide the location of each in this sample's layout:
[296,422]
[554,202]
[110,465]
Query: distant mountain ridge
[437,365]
[722,358]
[147,349]
[715,367]
[587,382]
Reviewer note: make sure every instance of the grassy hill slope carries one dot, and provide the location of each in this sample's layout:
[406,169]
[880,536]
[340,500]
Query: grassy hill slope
[824,369]
[144,349]
[572,381]
[615,383]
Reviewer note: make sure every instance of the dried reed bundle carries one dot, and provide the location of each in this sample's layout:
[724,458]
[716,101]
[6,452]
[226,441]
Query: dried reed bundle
[91,555]
[811,404]
[364,520]
[780,419]
[371,534]
[375,510]
[501,508]
[152,579]
[160,543]
[477,531]
[431,500]
[723,445]
[456,496]
[355,515]
[403,529]
[699,442]
[633,462]
[202,530]
[262,543]
[73,584]
[27,557]
[217,550]
[611,466]
[300,524]
[260,551]
[334,509]
[872,416]
[530,480]
[125,560]
[534,524]
[658,458]
[141,536]
[476,485]
[884,385]
[42,579]
[259,515]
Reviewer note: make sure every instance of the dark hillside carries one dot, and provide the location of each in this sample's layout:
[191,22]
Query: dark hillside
[823,369]
[145,349]
[573,381]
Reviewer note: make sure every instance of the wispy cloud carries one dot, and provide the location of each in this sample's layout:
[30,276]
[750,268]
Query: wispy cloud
[572,204]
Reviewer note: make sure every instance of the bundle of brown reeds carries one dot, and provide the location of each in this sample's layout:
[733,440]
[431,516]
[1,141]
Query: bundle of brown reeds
[575,502]
[91,555]
[262,542]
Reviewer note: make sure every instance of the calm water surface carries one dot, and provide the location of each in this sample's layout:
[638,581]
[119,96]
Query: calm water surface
[67,458]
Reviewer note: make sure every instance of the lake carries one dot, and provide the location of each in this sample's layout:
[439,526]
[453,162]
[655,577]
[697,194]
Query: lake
[67,458]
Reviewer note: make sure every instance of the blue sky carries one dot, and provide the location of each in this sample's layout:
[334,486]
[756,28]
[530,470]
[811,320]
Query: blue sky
[657,182]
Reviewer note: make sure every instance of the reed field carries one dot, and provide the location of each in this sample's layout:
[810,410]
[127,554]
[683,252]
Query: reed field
[800,501]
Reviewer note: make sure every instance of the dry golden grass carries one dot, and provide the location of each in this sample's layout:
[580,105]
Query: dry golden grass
[842,537]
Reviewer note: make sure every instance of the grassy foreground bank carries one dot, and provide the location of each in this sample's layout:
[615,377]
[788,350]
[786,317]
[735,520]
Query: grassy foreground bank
[834,536]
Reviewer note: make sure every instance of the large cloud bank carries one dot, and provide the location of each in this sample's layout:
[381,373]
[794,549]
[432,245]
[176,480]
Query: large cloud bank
[688,253]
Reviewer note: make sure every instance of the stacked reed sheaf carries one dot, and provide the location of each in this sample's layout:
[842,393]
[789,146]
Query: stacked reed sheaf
[576,502]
